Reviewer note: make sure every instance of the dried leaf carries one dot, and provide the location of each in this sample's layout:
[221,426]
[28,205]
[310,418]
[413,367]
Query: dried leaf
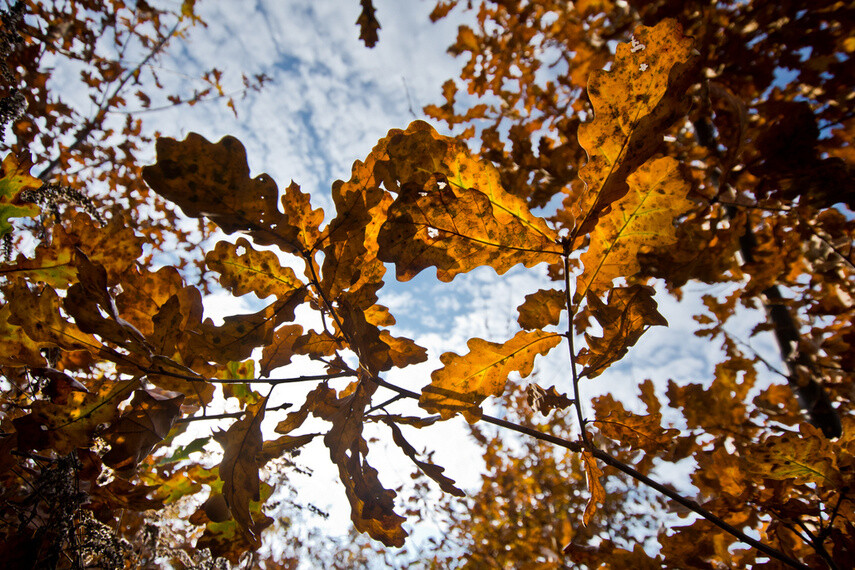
[429,469]
[626,315]
[544,401]
[452,213]
[15,179]
[807,457]
[242,443]
[541,309]
[368,24]
[466,381]
[595,487]
[143,426]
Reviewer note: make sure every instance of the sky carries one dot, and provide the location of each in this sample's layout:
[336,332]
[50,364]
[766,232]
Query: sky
[329,101]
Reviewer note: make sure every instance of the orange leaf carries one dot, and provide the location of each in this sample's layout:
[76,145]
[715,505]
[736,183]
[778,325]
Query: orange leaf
[452,213]
[466,381]
[541,309]
[634,102]
[245,270]
[38,314]
[626,315]
[633,430]
[279,352]
[640,220]
[595,487]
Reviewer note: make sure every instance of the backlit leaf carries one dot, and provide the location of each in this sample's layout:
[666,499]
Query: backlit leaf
[642,93]
[466,381]
[807,457]
[595,487]
[435,472]
[541,309]
[14,180]
[452,213]
[245,270]
[627,314]
[640,220]
[242,443]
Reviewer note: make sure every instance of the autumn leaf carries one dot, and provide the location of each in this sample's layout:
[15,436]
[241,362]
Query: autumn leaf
[807,457]
[544,401]
[18,348]
[624,317]
[242,443]
[65,427]
[14,180]
[636,431]
[642,93]
[595,487]
[212,180]
[641,220]
[38,314]
[245,270]
[452,213]
[465,381]
[541,309]
[279,352]
[140,428]
[435,472]
[368,24]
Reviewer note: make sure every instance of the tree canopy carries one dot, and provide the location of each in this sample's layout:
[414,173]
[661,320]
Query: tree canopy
[668,143]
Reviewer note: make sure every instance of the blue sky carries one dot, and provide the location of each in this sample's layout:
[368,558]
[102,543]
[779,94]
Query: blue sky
[329,102]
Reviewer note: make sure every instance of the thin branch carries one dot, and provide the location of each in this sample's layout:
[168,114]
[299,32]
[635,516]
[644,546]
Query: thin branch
[227,415]
[620,466]
[272,381]
[577,400]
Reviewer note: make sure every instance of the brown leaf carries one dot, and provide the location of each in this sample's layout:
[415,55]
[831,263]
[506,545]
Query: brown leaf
[626,315]
[466,381]
[541,309]
[368,24]
[429,469]
[143,426]
[452,213]
[242,443]
[595,487]
[281,349]
[544,401]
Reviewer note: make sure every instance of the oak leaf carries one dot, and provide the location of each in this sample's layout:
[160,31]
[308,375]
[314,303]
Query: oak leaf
[634,102]
[642,219]
[245,270]
[465,381]
[595,487]
[626,315]
[544,401]
[541,309]
[140,428]
[807,457]
[452,213]
[242,443]
[435,472]
[14,179]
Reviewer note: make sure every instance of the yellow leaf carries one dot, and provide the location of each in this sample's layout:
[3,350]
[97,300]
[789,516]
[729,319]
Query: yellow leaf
[466,381]
[807,457]
[245,270]
[14,180]
[642,219]
[452,213]
[633,103]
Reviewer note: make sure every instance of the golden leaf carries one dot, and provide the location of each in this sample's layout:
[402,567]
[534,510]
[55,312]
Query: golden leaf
[466,381]
[642,93]
[641,220]
[627,314]
[452,213]
[595,487]
[245,270]
[541,309]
